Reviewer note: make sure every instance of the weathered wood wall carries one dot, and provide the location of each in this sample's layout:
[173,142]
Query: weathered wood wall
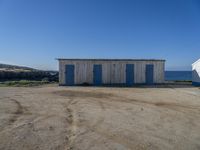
[113,72]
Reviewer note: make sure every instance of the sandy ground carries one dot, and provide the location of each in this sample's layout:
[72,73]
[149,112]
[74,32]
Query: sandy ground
[89,118]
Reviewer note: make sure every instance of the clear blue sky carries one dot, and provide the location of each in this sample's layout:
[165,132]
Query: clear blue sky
[35,32]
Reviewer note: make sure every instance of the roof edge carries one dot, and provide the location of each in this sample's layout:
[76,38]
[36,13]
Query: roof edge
[106,59]
[196,62]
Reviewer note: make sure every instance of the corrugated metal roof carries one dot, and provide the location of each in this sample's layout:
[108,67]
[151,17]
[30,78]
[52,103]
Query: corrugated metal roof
[81,59]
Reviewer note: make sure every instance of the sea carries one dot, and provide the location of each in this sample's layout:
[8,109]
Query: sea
[178,75]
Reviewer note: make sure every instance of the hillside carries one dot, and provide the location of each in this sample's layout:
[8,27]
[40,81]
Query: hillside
[13,72]
[6,67]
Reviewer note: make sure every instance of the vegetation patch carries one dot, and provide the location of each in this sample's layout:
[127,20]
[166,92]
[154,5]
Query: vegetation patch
[183,81]
[24,83]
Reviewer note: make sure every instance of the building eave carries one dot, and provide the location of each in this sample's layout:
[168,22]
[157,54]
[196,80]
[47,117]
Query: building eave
[198,61]
[100,59]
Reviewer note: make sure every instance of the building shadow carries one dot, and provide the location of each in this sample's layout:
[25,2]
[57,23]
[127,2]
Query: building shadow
[167,84]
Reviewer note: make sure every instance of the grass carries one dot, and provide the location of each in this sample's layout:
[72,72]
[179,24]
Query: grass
[24,83]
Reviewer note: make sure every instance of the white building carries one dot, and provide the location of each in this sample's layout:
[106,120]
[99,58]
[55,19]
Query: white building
[196,73]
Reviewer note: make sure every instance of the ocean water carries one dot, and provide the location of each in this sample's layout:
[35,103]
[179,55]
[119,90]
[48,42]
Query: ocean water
[178,75]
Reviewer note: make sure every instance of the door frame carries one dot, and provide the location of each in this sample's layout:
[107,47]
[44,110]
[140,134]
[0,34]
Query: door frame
[97,74]
[149,74]
[130,74]
[69,71]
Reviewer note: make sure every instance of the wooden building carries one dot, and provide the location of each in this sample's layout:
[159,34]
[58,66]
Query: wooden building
[111,71]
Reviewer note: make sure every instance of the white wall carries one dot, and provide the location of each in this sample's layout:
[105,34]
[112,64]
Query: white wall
[196,71]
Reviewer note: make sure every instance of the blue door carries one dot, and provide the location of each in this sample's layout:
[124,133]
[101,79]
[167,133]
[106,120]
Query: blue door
[97,74]
[149,74]
[69,75]
[129,74]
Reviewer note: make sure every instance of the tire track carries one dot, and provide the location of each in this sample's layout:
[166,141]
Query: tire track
[15,115]
[71,124]
[19,111]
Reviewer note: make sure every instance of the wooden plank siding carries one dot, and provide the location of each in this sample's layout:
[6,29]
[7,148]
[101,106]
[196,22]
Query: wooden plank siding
[113,72]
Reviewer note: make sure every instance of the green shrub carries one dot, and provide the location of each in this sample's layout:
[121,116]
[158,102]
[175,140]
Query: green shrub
[24,83]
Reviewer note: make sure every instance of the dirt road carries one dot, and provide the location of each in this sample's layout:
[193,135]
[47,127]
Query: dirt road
[89,118]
